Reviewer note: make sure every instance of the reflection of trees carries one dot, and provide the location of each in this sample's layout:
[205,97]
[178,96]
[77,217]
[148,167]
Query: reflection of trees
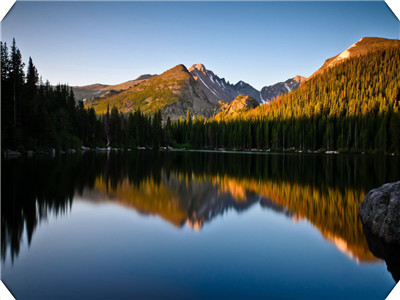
[332,210]
[33,188]
[194,187]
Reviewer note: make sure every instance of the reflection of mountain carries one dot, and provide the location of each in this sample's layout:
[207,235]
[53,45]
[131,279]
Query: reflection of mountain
[147,198]
[199,199]
[176,199]
[194,188]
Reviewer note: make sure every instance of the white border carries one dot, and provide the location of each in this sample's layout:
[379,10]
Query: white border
[395,7]
[5,293]
[5,6]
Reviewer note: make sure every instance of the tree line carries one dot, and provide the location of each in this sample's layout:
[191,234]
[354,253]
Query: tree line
[38,116]
[353,106]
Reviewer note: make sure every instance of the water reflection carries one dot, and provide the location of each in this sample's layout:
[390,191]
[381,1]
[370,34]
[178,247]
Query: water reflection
[193,188]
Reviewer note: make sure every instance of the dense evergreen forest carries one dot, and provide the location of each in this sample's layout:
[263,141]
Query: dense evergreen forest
[38,116]
[353,106]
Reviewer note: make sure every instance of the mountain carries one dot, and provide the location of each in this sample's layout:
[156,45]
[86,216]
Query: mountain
[153,92]
[173,92]
[83,92]
[240,104]
[244,88]
[362,47]
[131,83]
[100,90]
[217,89]
[268,93]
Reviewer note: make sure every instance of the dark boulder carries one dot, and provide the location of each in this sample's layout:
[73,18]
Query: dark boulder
[388,252]
[380,212]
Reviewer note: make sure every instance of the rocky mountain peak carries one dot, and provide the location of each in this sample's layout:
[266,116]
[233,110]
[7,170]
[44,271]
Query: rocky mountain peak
[199,67]
[362,47]
[300,79]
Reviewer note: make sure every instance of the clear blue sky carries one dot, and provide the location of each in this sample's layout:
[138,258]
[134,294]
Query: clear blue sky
[261,43]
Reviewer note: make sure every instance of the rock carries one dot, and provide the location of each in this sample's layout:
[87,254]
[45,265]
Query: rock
[388,252]
[240,104]
[380,212]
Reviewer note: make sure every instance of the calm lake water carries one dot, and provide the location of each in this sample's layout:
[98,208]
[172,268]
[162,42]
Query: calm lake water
[191,225]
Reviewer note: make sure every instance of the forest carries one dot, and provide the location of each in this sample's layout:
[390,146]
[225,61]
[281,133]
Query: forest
[38,116]
[352,107]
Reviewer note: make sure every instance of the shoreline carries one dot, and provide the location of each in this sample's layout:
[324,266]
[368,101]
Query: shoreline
[15,154]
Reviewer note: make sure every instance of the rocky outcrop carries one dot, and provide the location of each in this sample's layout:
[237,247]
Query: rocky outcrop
[240,104]
[380,212]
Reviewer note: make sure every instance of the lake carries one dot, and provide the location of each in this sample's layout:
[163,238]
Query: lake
[192,225]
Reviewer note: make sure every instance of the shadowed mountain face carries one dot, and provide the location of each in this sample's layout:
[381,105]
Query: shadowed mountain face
[268,93]
[217,89]
[192,189]
[246,89]
[362,47]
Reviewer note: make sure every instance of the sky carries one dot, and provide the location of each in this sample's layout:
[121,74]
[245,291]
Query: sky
[261,43]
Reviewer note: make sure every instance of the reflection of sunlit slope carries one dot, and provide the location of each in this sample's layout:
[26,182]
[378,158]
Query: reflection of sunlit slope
[226,185]
[148,197]
[197,199]
[332,210]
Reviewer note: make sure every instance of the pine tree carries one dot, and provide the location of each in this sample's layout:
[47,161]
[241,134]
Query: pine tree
[17,77]
[107,126]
